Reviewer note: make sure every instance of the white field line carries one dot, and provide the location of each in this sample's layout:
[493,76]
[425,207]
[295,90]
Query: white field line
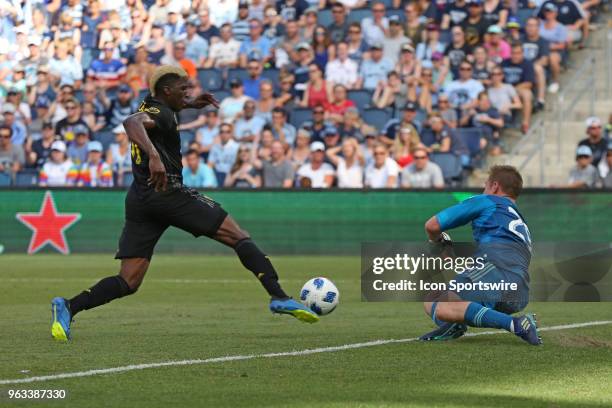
[153,280]
[225,359]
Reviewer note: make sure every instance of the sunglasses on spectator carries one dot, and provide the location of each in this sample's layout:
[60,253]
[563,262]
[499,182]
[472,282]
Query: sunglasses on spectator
[70,107]
[420,157]
[595,127]
[465,68]
[426,74]
[224,131]
[378,10]
[497,73]
[5,136]
[380,153]
[442,101]
[253,26]
[339,11]
[354,31]
[318,112]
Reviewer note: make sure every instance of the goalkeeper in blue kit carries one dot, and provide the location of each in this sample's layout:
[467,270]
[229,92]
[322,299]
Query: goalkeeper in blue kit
[503,240]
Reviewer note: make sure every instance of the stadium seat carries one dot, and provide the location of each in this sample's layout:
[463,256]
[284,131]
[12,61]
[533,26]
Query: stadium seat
[523,14]
[232,73]
[300,115]
[221,94]
[78,93]
[361,97]
[357,15]
[211,79]
[450,165]
[106,137]
[396,12]
[375,117]
[388,3]
[324,17]
[142,94]
[5,179]
[186,138]
[26,178]
[272,75]
[471,138]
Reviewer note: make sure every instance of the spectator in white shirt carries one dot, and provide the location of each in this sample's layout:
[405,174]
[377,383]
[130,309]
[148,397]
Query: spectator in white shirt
[223,155]
[342,70]
[232,105]
[224,53]
[349,165]
[55,170]
[422,173]
[375,28]
[316,173]
[384,171]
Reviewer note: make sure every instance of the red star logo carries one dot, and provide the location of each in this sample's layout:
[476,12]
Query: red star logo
[48,226]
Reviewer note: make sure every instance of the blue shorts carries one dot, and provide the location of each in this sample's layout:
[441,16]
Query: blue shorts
[505,301]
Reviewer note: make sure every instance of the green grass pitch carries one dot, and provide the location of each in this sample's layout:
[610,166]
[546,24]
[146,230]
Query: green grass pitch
[198,307]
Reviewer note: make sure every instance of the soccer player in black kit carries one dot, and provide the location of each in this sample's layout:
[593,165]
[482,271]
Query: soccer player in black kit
[158,199]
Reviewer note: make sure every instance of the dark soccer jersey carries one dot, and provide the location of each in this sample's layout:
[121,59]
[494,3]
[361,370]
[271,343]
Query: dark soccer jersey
[166,139]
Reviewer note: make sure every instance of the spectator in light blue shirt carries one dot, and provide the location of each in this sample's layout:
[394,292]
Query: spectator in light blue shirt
[249,126]
[197,174]
[375,69]
[19,133]
[196,46]
[223,155]
[256,46]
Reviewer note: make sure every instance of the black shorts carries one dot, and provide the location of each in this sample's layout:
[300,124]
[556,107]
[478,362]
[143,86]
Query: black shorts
[148,214]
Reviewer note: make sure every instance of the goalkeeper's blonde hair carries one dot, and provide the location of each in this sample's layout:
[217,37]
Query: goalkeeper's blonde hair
[163,71]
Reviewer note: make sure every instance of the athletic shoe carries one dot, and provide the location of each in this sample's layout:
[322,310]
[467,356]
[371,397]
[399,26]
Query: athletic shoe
[293,308]
[60,319]
[448,331]
[553,88]
[526,328]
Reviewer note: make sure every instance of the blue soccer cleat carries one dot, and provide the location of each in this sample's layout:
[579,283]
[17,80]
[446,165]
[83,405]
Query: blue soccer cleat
[526,328]
[60,319]
[293,308]
[448,331]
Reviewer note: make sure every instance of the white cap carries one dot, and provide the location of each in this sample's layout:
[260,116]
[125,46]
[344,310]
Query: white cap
[316,146]
[119,129]
[8,108]
[592,121]
[58,145]
[34,40]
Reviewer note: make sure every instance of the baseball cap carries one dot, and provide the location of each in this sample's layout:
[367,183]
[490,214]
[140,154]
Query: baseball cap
[317,146]
[395,19]
[331,131]
[376,45]
[94,146]
[124,88]
[494,29]
[311,9]
[407,47]
[42,68]
[302,46]
[119,129]
[34,40]
[593,121]
[80,130]
[475,3]
[432,27]
[437,56]
[47,124]
[8,108]
[370,133]
[550,7]
[243,4]
[235,82]
[59,146]
[513,23]
[193,20]
[410,106]
[584,151]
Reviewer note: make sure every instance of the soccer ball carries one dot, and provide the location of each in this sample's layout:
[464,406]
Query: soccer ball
[320,295]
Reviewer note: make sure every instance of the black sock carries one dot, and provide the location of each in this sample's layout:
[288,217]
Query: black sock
[258,263]
[112,287]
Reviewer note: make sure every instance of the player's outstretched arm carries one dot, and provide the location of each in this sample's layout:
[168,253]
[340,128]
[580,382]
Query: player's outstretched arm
[202,101]
[135,127]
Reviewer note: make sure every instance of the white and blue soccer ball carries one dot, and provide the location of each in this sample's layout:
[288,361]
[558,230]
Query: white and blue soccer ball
[320,295]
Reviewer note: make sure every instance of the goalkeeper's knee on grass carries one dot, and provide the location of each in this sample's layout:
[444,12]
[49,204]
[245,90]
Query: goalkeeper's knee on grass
[258,263]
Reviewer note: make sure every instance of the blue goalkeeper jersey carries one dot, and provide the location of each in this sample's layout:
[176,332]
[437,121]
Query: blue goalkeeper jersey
[498,228]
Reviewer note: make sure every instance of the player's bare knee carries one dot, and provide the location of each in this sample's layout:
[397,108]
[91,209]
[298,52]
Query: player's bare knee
[133,273]
[427,307]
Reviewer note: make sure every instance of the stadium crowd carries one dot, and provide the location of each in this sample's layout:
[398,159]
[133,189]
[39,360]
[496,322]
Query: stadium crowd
[315,93]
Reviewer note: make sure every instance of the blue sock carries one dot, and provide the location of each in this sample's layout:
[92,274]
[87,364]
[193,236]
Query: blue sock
[477,315]
[437,321]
